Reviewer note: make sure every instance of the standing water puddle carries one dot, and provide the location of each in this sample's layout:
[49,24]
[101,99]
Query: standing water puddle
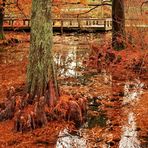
[69,64]
[129,138]
[132,91]
[66,140]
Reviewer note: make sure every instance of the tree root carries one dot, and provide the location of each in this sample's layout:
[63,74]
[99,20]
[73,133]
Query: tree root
[28,117]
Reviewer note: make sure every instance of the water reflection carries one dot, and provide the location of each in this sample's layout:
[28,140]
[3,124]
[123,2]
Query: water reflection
[68,63]
[70,50]
[66,140]
[69,53]
[132,92]
[129,138]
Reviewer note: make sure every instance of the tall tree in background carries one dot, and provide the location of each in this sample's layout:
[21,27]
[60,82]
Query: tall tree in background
[118,25]
[2,7]
[41,78]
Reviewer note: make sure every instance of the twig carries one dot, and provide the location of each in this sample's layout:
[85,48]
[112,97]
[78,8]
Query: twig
[142,5]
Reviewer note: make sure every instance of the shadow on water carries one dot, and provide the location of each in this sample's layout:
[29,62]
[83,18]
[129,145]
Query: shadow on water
[96,116]
[98,120]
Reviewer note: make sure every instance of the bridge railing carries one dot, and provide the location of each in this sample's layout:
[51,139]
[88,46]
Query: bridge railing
[105,24]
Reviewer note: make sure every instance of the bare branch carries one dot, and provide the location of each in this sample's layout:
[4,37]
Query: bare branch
[72,3]
[145,2]
[65,3]
[103,4]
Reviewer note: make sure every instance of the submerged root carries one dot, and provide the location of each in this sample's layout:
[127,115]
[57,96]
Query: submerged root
[31,117]
[7,109]
[70,109]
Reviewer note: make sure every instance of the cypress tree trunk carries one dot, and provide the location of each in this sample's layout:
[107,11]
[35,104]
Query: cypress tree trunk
[118,26]
[2,6]
[41,78]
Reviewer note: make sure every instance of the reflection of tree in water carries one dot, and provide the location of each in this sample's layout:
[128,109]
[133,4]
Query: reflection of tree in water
[69,63]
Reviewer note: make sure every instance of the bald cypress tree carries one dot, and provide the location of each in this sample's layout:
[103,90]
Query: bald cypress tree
[41,78]
[118,25]
[2,6]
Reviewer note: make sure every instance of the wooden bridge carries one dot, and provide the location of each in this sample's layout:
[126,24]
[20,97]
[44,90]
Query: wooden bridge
[63,24]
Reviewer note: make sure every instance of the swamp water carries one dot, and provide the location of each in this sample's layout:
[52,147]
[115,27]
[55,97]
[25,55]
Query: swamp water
[129,134]
[70,52]
[71,65]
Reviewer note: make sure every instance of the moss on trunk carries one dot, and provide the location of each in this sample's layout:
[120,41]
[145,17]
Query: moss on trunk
[2,6]
[41,77]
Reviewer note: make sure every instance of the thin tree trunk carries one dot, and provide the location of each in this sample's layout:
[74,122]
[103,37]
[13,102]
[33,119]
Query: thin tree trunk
[41,78]
[118,26]
[2,7]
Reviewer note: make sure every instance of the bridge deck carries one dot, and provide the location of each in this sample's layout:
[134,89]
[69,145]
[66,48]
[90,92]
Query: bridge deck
[62,24]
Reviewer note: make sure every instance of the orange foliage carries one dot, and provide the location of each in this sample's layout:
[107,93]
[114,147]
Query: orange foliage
[56,10]
[70,109]
[83,2]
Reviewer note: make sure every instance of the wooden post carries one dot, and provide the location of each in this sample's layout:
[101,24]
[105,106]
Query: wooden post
[24,22]
[9,22]
[28,23]
[12,23]
[70,23]
[105,23]
[79,25]
[86,22]
[61,26]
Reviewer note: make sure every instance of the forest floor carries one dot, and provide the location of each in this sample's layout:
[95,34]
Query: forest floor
[111,110]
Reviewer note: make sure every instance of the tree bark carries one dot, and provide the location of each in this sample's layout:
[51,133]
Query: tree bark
[41,77]
[118,26]
[2,7]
